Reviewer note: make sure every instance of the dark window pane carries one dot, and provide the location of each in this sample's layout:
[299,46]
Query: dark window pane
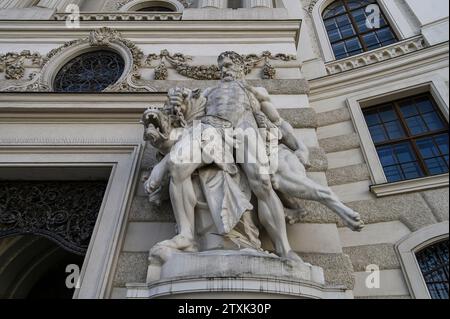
[388,114]
[433,121]
[335,35]
[378,133]
[427,148]
[408,109]
[334,9]
[442,142]
[372,118]
[371,40]
[424,105]
[433,262]
[416,125]
[436,166]
[339,49]
[353,46]
[331,24]
[347,31]
[343,20]
[412,170]
[386,155]
[385,34]
[404,153]
[393,173]
[395,130]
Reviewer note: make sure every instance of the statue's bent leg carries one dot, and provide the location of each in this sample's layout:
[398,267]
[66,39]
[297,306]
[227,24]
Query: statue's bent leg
[270,210]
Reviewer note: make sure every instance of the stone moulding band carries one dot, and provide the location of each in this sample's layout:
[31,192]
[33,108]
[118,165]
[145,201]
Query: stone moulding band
[14,64]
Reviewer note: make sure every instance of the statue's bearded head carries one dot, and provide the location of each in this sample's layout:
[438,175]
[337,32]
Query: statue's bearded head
[232,66]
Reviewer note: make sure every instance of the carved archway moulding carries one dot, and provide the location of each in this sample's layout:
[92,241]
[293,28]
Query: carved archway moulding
[133,5]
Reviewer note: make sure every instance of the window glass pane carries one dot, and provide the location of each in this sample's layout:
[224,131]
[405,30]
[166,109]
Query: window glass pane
[335,35]
[416,125]
[378,133]
[427,148]
[339,50]
[424,105]
[388,114]
[395,130]
[330,24]
[385,34]
[343,20]
[393,173]
[334,9]
[433,121]
[436,166]
[371,40]
[353,46]
[347,31]
[372,118]
[433,262]
[408,109]
[442,143]
[412,170]
[387,156]
[404,153]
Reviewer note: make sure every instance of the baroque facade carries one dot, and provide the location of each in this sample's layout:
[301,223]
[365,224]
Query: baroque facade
[364,84]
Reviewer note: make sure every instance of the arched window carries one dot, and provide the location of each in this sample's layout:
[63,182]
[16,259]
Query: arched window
[354,28]
[90,72]
[156,9]
[433,262]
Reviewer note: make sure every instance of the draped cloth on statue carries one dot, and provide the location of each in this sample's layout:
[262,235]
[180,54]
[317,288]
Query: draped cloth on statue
[228,197]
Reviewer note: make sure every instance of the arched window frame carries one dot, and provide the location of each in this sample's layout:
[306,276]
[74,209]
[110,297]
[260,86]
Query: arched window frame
[388,8]
[407,249]
[139,4]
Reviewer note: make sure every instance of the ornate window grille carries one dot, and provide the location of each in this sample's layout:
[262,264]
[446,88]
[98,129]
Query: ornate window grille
[90,72]
[411,137]
[433,262]
[349,32]
[64,212]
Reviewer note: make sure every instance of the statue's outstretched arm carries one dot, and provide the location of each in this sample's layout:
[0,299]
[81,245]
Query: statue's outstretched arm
[289,138]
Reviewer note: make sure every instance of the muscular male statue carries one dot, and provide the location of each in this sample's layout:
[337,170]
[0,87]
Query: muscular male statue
[230,105]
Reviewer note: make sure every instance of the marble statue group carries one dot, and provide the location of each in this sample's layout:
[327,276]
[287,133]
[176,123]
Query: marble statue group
[226,148]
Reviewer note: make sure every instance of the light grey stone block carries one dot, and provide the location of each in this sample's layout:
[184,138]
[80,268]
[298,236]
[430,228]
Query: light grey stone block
[348,174]
[318,159]
[383,256]
[142,210]
[131,268]
[337,268]
[333,117]
[437,199]
[411,209]
[340,143]
[300,118]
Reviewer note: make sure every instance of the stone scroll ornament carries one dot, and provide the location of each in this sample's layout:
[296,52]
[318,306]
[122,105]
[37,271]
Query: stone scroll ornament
[238,197]
[211,72]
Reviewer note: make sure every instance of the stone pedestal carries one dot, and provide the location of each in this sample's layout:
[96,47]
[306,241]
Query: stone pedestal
[234,274]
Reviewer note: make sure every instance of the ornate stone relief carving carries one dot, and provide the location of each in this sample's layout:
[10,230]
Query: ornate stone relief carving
[185,3]
[211,72]
[382,54]
[13,64]
[102,37]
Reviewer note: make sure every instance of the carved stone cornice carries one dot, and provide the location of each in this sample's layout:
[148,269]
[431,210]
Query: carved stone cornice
[123,16]
[378,55]
[211,72]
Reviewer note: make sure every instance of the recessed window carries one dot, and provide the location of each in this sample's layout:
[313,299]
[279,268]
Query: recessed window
[411,138]
[235,4]
[90,72]
[349,32]
[433,263]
